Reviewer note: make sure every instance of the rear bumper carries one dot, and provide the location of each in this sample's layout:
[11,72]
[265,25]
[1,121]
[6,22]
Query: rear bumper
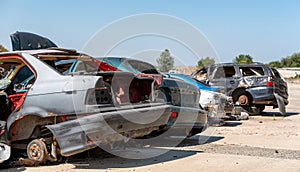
[188,120]
[87,132]
[264,96]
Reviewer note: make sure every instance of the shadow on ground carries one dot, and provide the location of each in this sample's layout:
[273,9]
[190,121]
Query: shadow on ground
[199,140]
[98,162]
[277,114]
[230,123]
[98,159]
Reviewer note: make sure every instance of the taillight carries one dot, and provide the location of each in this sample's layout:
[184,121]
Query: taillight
[63,118]
[174,114]
[270,82]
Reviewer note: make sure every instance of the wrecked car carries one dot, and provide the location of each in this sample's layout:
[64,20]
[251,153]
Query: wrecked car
[173,91]
[252,86]
[212,100]
[51,113]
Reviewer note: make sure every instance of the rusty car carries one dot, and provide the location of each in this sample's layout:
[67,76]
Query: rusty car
[51,114]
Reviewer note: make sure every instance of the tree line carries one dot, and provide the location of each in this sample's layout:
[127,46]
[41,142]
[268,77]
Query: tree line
[289,61]
[166,61]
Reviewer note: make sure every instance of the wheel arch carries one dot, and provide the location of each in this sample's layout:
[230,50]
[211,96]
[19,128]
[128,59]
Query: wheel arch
[25,127]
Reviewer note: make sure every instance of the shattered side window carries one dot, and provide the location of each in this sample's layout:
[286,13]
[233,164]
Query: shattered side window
[229,71]
[219,73]
[251,71]
[225,71]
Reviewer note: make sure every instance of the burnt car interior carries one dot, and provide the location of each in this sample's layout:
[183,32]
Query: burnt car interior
[251,71]
[225,71]
[13,88]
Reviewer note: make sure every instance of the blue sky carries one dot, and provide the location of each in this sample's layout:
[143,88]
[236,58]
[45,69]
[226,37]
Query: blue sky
[267,30]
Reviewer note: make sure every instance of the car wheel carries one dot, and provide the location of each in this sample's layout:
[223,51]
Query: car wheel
[37,150]
[242,98]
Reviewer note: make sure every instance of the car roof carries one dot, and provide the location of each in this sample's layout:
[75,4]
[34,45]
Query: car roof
[237,64]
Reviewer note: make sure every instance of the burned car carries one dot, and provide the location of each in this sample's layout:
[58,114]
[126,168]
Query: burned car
[51,113]
[252,86]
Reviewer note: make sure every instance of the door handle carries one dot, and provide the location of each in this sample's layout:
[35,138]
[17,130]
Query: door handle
[232,82]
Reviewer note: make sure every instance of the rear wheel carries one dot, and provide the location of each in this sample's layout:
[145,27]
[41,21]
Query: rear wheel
[242,98]
[37,150]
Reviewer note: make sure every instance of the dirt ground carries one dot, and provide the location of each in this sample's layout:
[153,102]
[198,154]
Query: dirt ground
[266,142]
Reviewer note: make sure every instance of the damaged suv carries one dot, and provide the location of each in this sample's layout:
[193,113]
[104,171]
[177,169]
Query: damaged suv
[253,86]
[51,113]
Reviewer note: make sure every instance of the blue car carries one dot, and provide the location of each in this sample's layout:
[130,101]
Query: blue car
[199,84]
[217,104]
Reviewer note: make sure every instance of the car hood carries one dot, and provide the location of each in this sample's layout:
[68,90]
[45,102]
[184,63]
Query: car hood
[29,41]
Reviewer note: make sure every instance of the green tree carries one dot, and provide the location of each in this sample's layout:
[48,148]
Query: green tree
[289,61]
[276,64]
[165,61]
[2,49]
[243,59]
[205,61]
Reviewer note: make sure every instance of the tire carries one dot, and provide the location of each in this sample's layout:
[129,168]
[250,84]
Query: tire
[37,150]
[194,131]
[243,98]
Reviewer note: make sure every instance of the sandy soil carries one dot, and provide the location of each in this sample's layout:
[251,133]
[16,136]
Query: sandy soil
[266,142]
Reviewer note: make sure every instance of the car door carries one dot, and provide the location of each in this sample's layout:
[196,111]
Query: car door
[225,77]
[280,84]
